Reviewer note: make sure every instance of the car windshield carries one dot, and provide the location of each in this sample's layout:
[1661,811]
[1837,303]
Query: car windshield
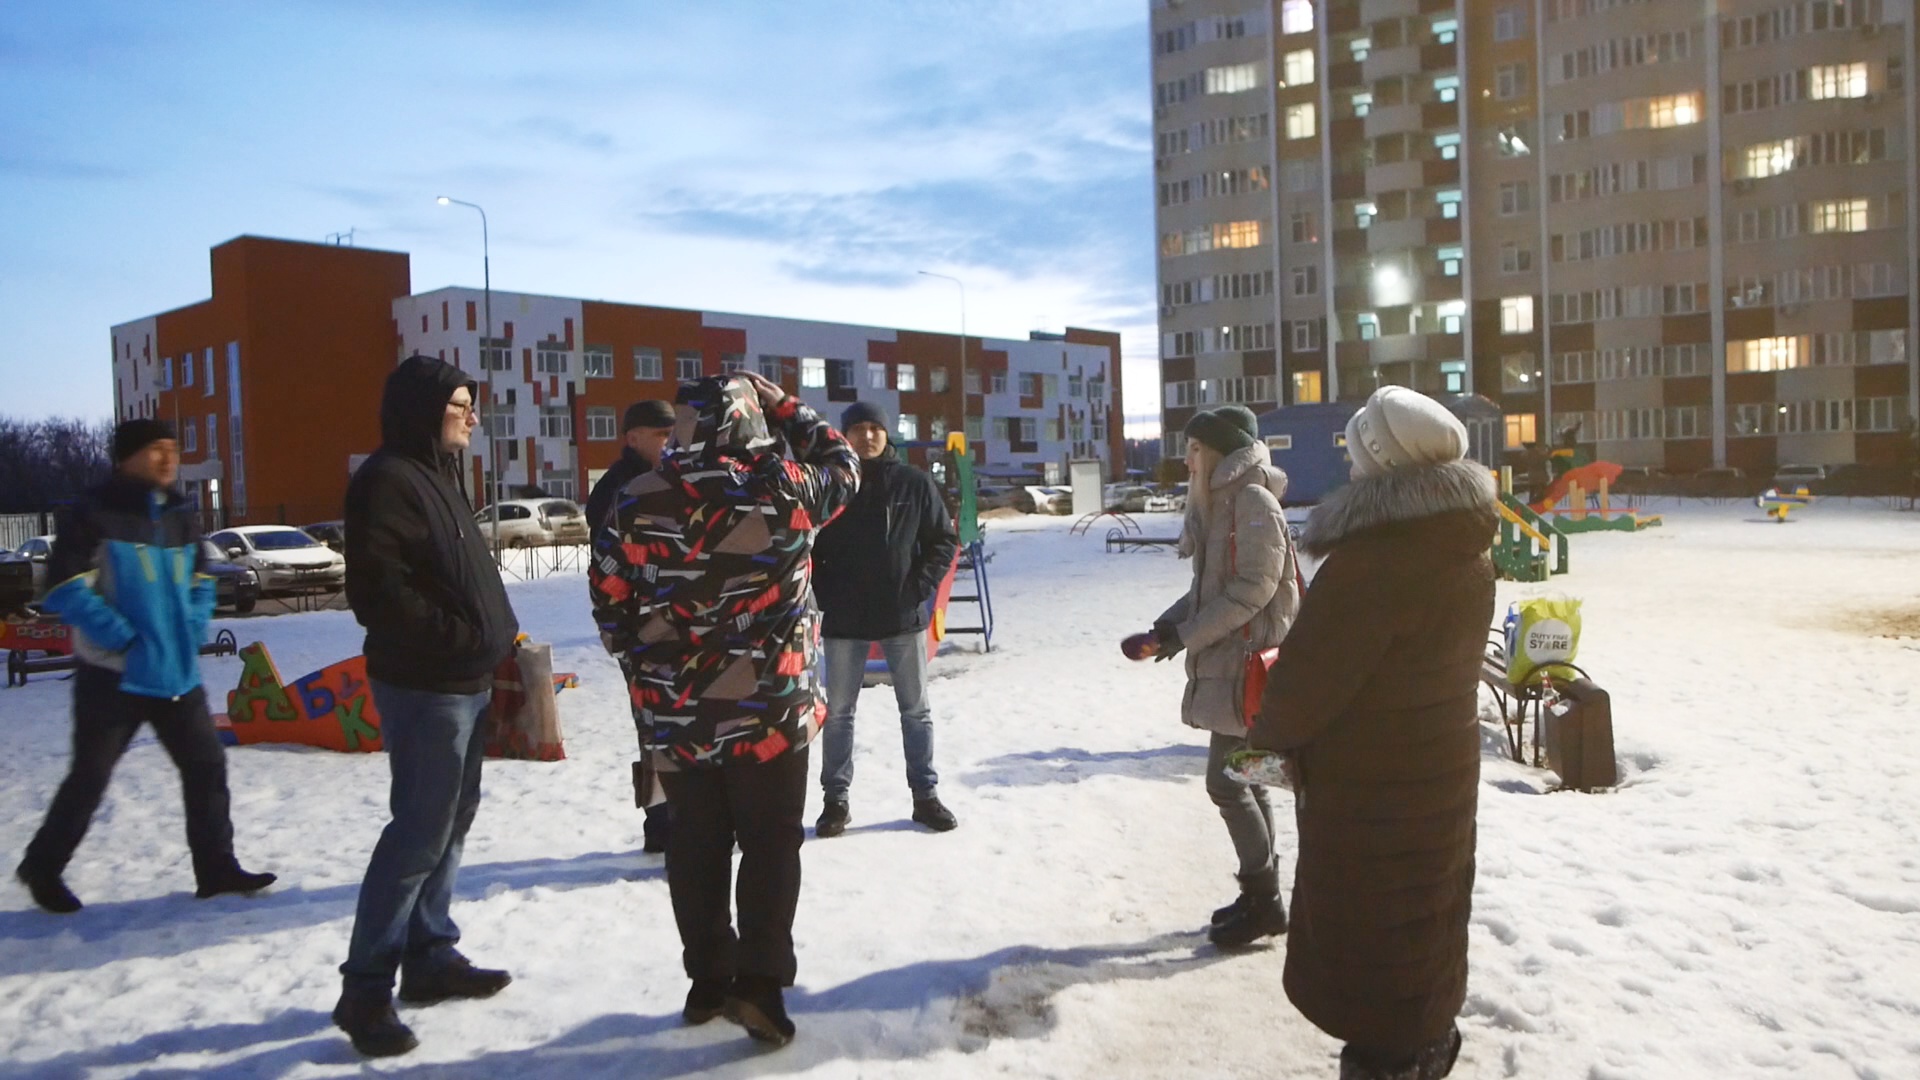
[212,551]
[282,540]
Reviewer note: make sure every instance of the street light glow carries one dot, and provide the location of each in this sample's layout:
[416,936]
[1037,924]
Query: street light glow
[443,200]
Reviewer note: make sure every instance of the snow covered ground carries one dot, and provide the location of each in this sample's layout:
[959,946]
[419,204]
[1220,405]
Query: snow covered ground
[1746,904]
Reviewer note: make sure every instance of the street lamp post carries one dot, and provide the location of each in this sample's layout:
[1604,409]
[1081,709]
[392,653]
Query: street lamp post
[486,372]
[963,348]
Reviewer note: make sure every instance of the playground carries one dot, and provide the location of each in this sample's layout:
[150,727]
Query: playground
[1741,903]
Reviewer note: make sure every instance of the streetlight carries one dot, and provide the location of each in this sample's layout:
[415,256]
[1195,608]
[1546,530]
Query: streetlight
[486,372]
[963,348]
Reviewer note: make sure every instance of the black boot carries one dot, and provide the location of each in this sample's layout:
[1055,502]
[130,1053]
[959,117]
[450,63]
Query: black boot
[706,999]
[48,891]
[654,831]
[453,977]
[934,814]
[369,1020]
[1434,1061]
[228,877]
[833,819]
[1258,913]
[756,1003]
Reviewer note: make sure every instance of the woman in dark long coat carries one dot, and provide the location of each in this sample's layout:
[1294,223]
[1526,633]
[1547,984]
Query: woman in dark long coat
[1373,700]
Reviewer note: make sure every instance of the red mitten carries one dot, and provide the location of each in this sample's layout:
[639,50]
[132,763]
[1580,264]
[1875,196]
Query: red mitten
[1140,646]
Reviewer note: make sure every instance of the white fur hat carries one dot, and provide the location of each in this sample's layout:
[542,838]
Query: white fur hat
[1398,427]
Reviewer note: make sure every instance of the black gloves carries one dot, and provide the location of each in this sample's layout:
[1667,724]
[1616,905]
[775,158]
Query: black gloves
[1168,635]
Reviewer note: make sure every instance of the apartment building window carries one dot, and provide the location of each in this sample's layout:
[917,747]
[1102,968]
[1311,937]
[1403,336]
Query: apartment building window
[972,381]
[840,378]
[1509,81]
[1517,373]
[1509,22]
[1837,81]
[166,374]
[1515,259]
[1766,354]
[1520,430]
[1029,385]
[1839,215]
[1029,430]
[1306,336]
[646,362]
[1296,16]
[556,422]
[597,362]
[937,428]
[906,378]
[186,370]
[602,425]
[213,436]
[813,372]
[1364,213]
[1673,110]
[1296,68]
[937,379]
[1303,227]
[206,384]
[1449,203]
[1074,387]
[1453,314]
[1306,388]
[973,426]
[1516,197]
[500,421]
[190,434]
[732,363]
[1516,314]
[998,382]
[1232,79]
[908,427]
[1301,121]
[550,358]
[772,368]
[1051,430]
[1368,324]
[686,365]
[1769,159]
[1445,31]
[1305,280]
[876,375]
[1446,88]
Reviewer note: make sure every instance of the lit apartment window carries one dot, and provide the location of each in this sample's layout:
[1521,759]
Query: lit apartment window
[1837,81]
[550,358]
[1450,259]
[1770,158]
[1306,388]
[1673,110]
[686,365]
[813,371]
[1509,22]
[908,427]
[905,378]
[1236,234]
[597,363]
[1520,430]
[1360,48]
[1233,79]
[937,428]
[1767,354]
[1296,68]
[1453,314]
[1364,213]
[1516,314]
[1509,81]
[602,426]
[1839,215]
[1449,203]
[1296,16]
[1369,325]
[876,376]
[1300,121]
[646,362]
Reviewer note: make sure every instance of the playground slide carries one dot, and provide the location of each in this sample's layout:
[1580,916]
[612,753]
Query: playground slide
[1587,476]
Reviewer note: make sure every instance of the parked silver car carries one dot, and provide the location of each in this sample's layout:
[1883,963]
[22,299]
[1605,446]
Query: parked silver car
[535,522]
[284,558]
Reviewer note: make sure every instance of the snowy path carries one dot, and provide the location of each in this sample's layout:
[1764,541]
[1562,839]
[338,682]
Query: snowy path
[1747,904]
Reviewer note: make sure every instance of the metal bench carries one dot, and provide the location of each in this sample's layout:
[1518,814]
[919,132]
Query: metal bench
[21,662]
[1120,540]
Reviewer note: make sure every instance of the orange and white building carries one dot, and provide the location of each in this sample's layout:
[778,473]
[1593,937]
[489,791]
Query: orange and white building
[301,335]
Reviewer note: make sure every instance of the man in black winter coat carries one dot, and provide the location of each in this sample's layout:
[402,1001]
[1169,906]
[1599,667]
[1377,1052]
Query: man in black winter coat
[646,427]
[422,581]
[127,578]
[874,569]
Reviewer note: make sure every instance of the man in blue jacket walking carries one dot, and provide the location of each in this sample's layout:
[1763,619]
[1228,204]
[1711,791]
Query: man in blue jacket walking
[126,562]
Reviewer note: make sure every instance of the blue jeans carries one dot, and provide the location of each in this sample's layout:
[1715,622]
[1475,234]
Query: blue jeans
[433,746]
[906,656]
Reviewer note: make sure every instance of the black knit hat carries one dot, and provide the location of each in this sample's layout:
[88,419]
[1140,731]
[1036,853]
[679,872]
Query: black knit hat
[863,412]
[132,436]
[1225,429]
[650,413]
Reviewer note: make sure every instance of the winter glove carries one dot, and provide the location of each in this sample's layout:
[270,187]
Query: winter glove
[1168,635]
[1139,646]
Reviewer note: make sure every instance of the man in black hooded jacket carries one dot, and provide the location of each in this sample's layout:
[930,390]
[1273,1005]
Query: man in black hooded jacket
[874,569]
[422,581]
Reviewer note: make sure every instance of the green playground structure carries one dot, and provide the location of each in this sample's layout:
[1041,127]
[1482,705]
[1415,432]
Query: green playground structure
[1528,547]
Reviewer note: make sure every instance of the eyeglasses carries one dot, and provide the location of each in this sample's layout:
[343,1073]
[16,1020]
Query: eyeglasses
[466,407]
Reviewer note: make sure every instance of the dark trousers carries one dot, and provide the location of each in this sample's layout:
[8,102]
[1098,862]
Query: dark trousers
[760,807]
[104,722]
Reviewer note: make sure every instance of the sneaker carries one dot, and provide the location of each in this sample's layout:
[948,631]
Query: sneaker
[232,879]
[48,891]
[1262,917]
[706,999]
[369,1020]
[833,819]
[934,815]
[455,977]
[756,1003]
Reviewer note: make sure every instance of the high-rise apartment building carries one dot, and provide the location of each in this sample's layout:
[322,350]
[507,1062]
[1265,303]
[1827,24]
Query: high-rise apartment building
[1680,232]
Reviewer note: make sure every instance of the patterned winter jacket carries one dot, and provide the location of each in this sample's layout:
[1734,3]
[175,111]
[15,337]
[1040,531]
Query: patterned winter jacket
[701,580]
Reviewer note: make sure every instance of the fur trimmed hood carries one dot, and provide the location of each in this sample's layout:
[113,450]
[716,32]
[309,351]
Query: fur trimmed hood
[1225,478]
[1400,495]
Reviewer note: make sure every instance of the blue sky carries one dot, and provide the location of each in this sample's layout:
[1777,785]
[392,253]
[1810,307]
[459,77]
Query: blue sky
[763,156]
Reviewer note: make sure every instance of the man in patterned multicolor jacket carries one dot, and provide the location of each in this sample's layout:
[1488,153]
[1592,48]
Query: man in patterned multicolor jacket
[703,586]
[127,571]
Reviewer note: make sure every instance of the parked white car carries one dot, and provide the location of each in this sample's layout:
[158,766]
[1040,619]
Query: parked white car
[283,557]
[37,550]
[535,522]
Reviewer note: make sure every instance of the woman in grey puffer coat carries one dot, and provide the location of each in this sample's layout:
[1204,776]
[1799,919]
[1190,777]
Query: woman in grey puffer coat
[1244,595]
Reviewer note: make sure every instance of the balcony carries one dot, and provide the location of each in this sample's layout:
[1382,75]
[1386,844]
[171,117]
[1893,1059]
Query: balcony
[1345,75]
[1393,120]
[1399,348]
[1439,114]
[1397,176]
[1439,172]
[1390,63]
[1437,57]
[1399,235]
[1349,242]
[1373,11]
